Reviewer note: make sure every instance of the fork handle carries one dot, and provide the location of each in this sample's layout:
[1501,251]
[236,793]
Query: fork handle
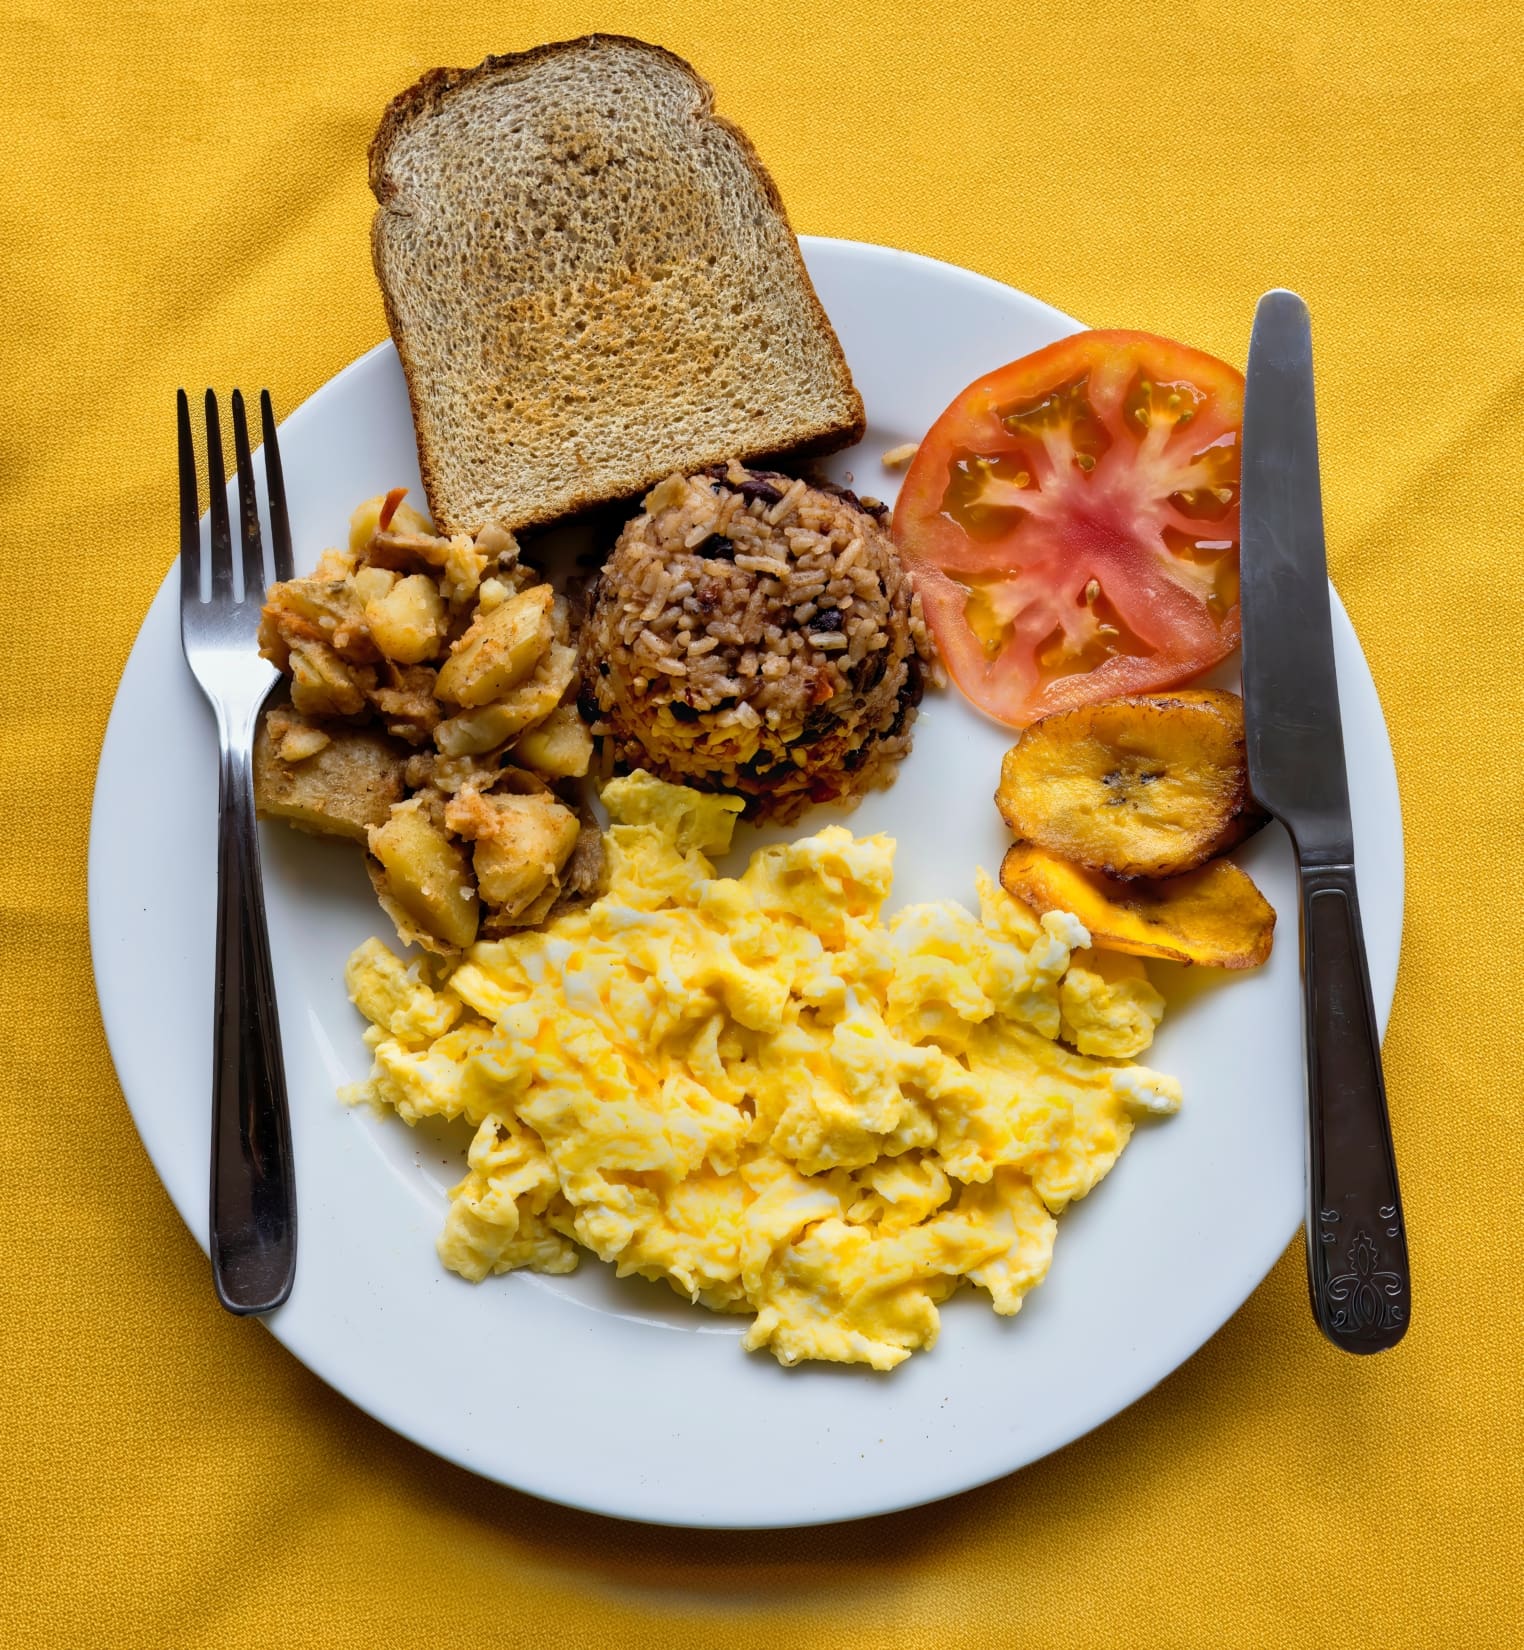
[253,1207]
[1357,1254]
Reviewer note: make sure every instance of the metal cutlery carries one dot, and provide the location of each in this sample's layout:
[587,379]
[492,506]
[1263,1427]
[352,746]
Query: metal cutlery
[253,1190]
[1357,1259]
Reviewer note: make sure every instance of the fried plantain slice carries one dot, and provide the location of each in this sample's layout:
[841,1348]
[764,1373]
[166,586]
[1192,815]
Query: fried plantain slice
[1214,916]
[1151,785]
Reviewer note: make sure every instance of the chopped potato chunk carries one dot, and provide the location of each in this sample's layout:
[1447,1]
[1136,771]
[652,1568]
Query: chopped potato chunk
[425,878]
[560,746]
[491,593]
[297,743]
[476,731]
[372,583]
[499,650]
[334,564]
[408,622]
[346,783]
[521,844]
[459,561]
[365,522]
[323,684]
[326,611]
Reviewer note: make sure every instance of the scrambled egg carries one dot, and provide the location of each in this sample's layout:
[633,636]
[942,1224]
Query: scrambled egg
[758,1091]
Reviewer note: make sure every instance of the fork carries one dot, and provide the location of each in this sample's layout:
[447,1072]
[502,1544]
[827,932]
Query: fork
[253,1187]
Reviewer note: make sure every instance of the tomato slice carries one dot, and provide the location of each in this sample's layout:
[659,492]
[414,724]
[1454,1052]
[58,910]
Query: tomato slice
[1072,522]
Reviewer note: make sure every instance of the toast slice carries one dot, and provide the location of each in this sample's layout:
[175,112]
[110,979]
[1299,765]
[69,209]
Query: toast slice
[591,282]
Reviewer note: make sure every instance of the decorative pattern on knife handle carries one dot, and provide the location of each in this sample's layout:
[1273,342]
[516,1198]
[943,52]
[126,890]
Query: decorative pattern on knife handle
[1365,1296]
[1358,1268]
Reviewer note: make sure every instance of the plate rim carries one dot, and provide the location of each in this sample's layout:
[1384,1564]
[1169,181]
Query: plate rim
[415,1426]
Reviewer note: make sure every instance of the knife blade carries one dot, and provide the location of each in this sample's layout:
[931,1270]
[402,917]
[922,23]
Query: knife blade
[1357,1260]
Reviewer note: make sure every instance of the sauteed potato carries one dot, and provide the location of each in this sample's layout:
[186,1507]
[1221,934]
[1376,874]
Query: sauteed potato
[499,650]
[423,880]
[416,661]
[331,781]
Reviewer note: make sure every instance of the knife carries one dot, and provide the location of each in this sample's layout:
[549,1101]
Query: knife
[1357,1257]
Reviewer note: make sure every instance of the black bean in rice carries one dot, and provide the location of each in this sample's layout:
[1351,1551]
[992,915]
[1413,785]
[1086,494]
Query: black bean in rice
[751,633]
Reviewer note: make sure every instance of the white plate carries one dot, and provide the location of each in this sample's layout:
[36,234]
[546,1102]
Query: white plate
[618,1396]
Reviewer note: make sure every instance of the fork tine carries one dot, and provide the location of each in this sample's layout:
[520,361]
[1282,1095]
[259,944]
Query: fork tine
[248,507]
[280,522]
[190,523]
[222,537]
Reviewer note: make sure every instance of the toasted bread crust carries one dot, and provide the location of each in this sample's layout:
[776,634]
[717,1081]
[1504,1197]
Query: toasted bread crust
[430,90]
[807,438]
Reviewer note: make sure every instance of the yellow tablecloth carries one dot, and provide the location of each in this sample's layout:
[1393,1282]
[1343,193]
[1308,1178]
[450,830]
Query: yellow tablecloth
[185,202]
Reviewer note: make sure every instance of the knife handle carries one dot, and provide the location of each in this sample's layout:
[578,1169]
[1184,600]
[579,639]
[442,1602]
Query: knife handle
[1357,1253]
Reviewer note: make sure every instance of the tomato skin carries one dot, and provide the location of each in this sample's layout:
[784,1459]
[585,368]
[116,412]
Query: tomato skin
[1072,523]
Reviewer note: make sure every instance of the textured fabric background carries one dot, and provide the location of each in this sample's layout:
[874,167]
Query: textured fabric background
[184,202]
